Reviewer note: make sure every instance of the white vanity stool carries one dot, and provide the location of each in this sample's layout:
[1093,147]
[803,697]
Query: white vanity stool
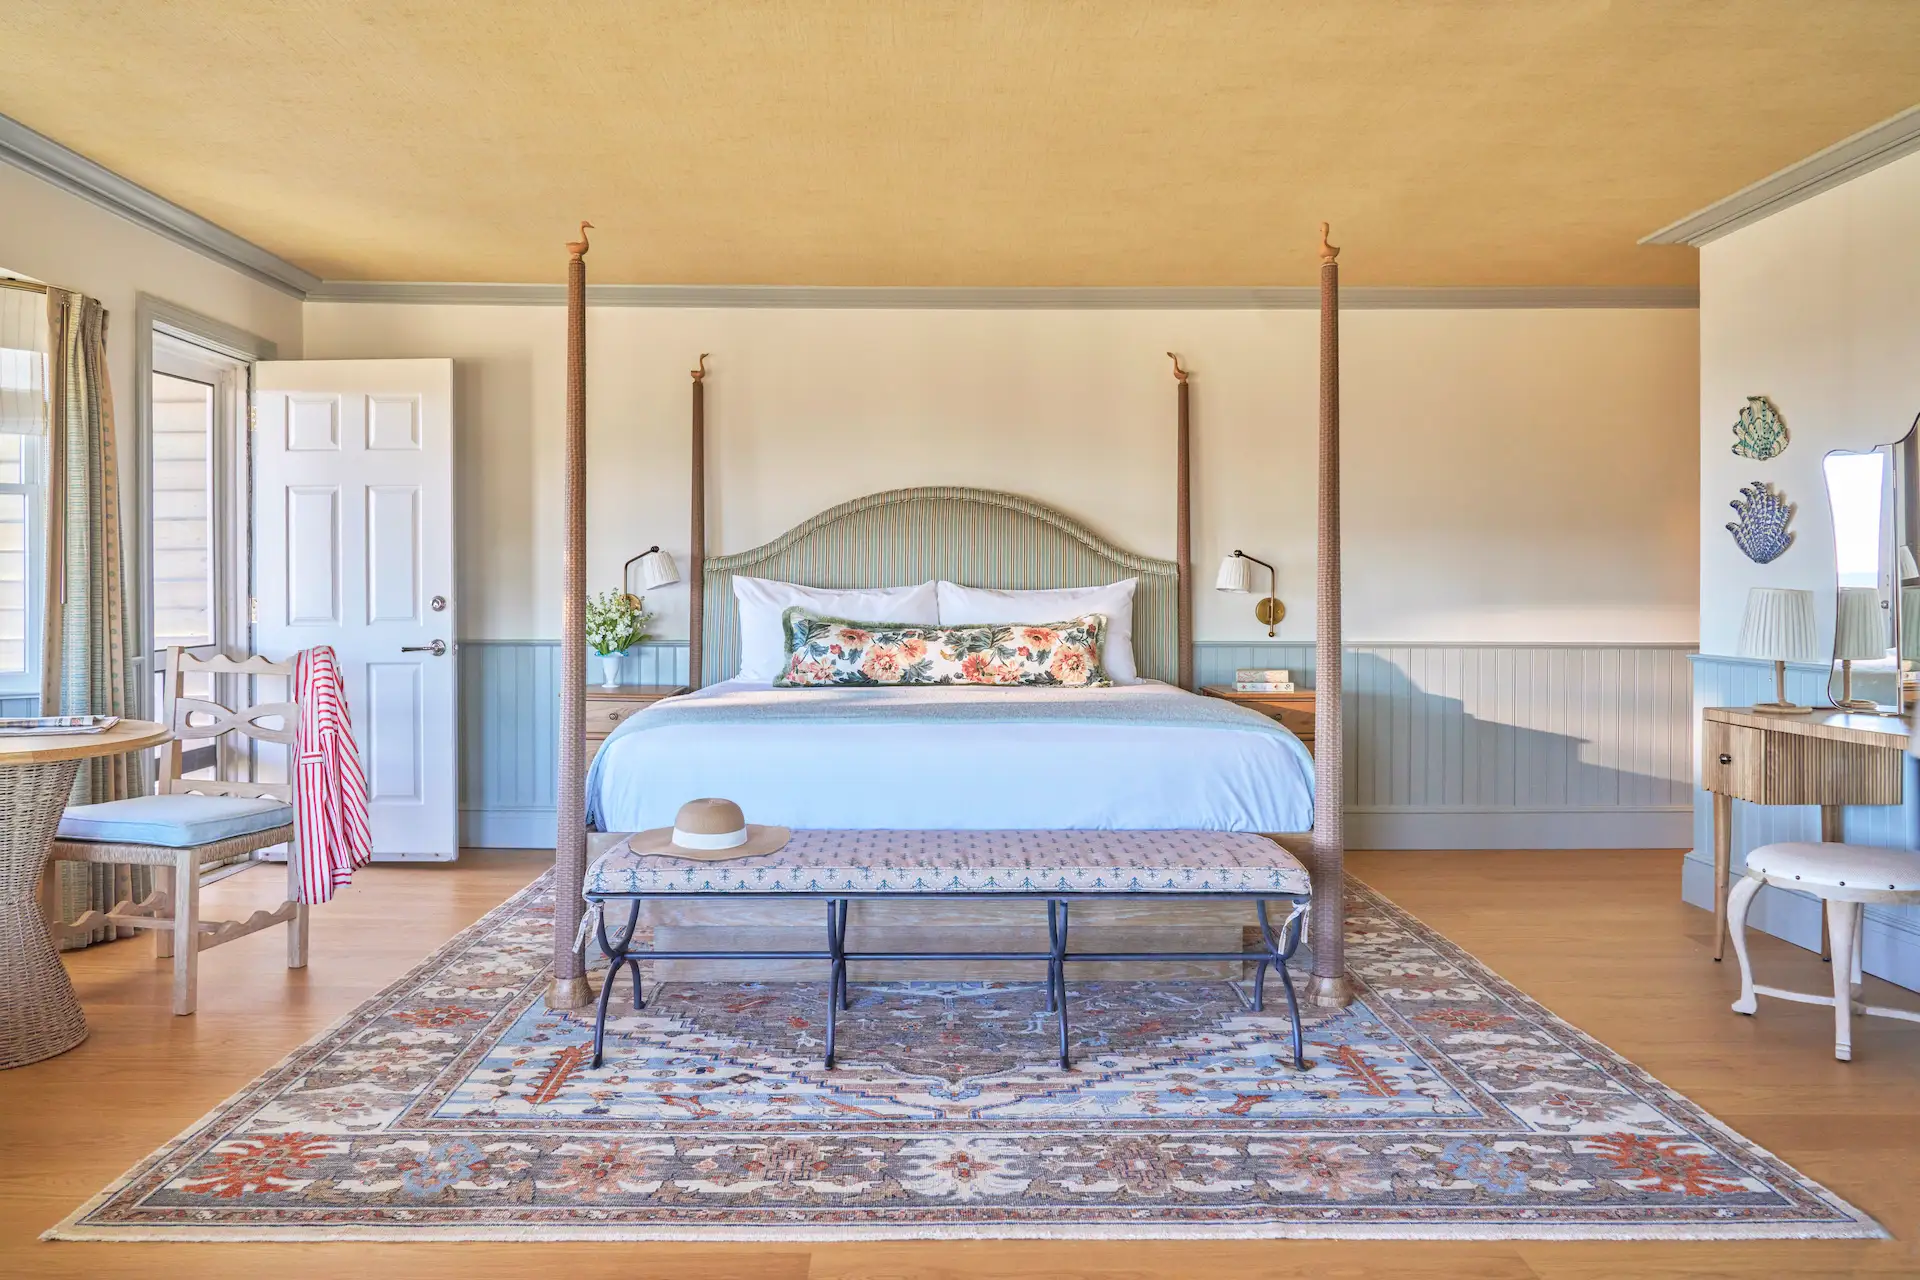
[1846,877]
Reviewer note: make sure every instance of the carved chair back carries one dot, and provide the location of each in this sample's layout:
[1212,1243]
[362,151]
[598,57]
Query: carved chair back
[201,718]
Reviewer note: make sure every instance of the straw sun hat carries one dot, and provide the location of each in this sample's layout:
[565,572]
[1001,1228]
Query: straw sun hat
[709,831]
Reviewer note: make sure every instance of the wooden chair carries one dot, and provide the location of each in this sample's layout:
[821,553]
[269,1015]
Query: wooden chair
[1846,877]
[189,823]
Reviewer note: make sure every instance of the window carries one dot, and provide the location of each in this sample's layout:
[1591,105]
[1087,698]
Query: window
[183,506]
[23,415]
[22,565]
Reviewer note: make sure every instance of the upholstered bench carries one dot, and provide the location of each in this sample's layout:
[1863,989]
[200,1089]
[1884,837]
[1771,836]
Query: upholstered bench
[1054,867]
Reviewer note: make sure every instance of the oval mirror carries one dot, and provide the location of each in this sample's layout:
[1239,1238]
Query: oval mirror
[1876,634]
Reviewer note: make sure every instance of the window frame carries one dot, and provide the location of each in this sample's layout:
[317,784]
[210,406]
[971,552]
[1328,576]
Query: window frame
[26,684]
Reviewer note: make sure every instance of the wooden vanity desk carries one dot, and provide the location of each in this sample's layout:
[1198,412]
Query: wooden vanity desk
[1829,758]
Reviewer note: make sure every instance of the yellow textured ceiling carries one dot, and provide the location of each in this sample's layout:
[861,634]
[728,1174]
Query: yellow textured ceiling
[911,142]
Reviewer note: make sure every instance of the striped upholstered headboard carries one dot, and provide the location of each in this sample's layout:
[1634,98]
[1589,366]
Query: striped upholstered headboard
[974,536]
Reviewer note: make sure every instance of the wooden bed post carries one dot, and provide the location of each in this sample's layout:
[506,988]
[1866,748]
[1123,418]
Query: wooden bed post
[1328,987]
[570,989]
[1183,529]
[697,536]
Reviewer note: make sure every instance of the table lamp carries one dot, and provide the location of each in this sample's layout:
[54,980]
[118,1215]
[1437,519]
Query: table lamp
[1779,628]
[1859,635]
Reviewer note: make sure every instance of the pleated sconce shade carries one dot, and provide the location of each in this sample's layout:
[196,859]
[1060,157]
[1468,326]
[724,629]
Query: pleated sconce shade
[1779,626]
[1860,629]
[1236,574]
[657,569]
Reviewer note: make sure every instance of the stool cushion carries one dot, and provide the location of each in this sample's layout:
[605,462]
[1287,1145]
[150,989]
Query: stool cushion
[1013,862]
[1849,866]
[175,822]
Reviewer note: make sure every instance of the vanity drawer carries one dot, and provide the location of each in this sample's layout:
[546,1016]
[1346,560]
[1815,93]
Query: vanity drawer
[1783,767]
[1733,761]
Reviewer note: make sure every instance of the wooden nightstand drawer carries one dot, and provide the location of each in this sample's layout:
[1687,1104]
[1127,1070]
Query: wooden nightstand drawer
[608,709]
[1294,710]
[602,717]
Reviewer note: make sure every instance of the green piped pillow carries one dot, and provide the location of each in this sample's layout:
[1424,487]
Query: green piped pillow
[835,652]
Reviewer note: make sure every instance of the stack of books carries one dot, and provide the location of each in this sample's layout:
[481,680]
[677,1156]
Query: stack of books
[1263,680]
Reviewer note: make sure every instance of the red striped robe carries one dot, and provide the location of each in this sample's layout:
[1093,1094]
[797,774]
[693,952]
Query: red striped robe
[330,791]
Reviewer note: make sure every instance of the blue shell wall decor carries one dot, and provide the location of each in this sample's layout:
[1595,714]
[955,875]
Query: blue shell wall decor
[1761,530]
[1761,432]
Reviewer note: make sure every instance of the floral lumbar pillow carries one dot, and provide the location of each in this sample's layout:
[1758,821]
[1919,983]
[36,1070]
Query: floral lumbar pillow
[832,651]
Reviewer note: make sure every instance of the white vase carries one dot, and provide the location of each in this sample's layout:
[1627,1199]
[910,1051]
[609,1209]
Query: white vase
[610,670]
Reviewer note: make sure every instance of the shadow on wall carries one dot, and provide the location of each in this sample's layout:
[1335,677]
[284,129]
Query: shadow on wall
[1503,728]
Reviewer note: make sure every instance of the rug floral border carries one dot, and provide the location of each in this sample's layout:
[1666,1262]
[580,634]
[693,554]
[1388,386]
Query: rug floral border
[1820,1213]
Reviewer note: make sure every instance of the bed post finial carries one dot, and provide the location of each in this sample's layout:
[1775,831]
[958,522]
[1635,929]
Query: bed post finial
[577,249]
[700,373]
[1328,252]
[1179,374]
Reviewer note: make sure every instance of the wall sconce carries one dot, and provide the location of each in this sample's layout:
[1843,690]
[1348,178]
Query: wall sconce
[656,569]
[1236,575]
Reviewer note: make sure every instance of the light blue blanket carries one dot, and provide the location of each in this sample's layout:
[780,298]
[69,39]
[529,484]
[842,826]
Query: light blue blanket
[1144,755]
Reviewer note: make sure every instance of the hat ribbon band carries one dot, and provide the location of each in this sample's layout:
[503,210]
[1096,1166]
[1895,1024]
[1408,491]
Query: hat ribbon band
[724,840]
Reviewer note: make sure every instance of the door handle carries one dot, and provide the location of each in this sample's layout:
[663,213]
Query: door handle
[438,648]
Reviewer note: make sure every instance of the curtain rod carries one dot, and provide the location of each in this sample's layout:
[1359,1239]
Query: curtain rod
[8,283]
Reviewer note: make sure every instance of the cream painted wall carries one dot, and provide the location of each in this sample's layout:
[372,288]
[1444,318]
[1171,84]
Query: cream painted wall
[50,235]
[1511,475]
[1817,307]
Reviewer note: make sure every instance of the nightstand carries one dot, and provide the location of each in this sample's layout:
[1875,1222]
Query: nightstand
[1293,710]
[608,708]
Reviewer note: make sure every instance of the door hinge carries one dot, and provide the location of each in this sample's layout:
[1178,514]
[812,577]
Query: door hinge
[253,418]
[253,609]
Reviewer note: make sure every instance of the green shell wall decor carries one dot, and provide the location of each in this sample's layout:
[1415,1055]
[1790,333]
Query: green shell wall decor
[1761,431]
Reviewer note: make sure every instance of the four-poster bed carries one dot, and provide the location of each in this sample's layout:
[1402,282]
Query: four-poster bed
[985,540]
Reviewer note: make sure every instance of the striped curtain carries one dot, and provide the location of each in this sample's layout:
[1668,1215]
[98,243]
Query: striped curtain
[88,624]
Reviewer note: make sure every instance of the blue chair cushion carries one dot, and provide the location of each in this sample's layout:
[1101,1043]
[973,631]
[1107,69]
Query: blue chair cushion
[173,822]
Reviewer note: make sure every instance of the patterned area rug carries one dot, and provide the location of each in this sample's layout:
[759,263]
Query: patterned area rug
[1443,1104]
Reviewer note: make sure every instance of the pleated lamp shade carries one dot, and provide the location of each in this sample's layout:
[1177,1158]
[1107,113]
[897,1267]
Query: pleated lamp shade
[1860,627]
[657,569]
[1910,624]
[1236,574]
[1779,626]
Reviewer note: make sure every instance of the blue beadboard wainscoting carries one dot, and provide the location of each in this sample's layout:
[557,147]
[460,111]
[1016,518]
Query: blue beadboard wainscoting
[1449,746]
[1891,947]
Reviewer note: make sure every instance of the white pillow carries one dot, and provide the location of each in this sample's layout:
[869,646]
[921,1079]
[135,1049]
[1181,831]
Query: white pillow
[763,645]
[961,605]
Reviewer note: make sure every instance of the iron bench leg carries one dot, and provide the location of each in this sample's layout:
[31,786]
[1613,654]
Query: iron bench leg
[1280,949]
[617,955]
[1057,974]
[836,967]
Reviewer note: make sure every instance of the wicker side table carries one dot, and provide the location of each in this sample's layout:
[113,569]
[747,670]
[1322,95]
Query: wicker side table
[39,1016]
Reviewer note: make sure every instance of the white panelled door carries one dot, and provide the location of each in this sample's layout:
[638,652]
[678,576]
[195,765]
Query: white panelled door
[354,547]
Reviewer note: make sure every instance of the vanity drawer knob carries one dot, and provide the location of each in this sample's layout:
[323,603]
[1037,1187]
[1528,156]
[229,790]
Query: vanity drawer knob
[1725,758]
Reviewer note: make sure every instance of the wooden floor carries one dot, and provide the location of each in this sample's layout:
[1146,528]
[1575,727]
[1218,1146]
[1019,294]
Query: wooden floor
[1600,938]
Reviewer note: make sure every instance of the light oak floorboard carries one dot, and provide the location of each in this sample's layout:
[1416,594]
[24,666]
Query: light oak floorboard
[1600,938]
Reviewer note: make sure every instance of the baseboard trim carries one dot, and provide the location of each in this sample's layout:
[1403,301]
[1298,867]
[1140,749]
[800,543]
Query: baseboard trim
[1457,827]
[1891,945]
[508,828]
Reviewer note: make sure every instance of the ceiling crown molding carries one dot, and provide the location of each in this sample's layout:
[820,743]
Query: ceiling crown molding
[1146,298]
[1844,160]
[73,173]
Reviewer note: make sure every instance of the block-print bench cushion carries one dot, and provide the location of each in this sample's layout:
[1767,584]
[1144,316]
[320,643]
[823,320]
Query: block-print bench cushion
[1013,862]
